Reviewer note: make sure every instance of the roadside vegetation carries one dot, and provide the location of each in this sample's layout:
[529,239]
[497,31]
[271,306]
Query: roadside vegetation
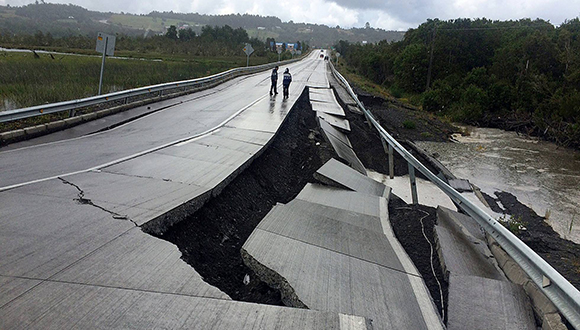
[517,75]
[28,79]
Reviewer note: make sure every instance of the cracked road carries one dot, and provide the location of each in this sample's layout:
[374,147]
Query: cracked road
[71,209]
[192,115]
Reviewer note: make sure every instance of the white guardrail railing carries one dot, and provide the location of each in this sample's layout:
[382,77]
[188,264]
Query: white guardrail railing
[560,291]
[151,91]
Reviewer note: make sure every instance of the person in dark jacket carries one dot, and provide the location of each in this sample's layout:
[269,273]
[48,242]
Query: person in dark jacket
[274,78]
[286,82]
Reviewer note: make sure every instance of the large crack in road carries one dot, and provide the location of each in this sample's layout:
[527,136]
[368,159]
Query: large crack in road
[211,239]
[85,201]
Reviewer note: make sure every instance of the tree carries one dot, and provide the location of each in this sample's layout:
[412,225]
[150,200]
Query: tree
[411,67]
[171,32]
[186,34]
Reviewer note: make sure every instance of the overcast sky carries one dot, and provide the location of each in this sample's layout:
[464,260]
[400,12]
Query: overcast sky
[386,14]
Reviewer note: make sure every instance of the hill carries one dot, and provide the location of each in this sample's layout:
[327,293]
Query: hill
[61,20]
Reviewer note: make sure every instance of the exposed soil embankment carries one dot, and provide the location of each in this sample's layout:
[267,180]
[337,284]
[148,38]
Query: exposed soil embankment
[211,239]
[562,254]
[413,224]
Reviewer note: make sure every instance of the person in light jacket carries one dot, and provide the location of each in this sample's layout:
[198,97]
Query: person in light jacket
[274,78]
[286,82]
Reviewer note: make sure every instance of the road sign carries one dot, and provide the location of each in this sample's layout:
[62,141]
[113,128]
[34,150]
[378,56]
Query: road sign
[106,41]
[105,46]
[248,49]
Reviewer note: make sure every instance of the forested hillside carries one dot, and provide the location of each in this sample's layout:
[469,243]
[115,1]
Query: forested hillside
[61,20]
[522,75]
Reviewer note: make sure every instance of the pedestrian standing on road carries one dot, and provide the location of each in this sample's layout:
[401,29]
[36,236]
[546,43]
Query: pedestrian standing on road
[286,82]
[274,79]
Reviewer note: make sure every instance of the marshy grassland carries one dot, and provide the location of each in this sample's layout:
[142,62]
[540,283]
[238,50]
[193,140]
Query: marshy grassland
[28,80]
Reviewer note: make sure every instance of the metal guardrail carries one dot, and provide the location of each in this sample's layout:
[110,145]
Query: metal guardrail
[154,91]
[559,290]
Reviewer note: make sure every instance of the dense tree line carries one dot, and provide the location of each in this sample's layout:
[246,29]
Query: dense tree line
[62,20]
[213,41]
[522,75]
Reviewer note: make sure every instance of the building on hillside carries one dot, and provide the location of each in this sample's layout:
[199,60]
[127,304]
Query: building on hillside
[280,46]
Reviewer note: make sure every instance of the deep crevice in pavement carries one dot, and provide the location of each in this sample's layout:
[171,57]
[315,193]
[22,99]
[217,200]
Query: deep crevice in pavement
[85,201]
[211,239]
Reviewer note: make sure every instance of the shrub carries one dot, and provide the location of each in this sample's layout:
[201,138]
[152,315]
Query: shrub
[409,124]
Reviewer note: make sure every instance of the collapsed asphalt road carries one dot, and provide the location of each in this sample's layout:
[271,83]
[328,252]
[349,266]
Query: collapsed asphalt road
[211,238]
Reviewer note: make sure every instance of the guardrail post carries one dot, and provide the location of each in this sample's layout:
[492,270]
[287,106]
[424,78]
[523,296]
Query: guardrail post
[368,119]
[389,151]
[391,162]
[413,184]
[561,292]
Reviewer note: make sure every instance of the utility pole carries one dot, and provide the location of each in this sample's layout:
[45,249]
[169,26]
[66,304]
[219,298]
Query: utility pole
[431,58]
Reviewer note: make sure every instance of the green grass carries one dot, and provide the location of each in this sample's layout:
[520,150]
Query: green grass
[145,22]
[26,81]
[409,124]
[262,34]
[513,223]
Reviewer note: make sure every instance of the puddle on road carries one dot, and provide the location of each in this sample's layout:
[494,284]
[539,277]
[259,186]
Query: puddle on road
[540,174]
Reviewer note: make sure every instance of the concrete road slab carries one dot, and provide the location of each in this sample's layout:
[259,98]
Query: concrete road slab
[318,79]
[136,260]
[13,287]
[338,135]
[225,144]
[330,108]
[42,235]
[342,146]
[335,121]
[244,135]
[429,195]
[55,305]
[322,95]
[341,92]
[342,199]
[353,218]
[345,176]
[461,256]
[460,252]
[211,153]
[267,117]
[331,234]
[480,303]
[139,199]
[175,169]
[330,281]
[453,220]
[103,123]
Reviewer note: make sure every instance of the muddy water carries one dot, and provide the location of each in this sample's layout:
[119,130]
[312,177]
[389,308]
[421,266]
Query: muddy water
[540,174]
